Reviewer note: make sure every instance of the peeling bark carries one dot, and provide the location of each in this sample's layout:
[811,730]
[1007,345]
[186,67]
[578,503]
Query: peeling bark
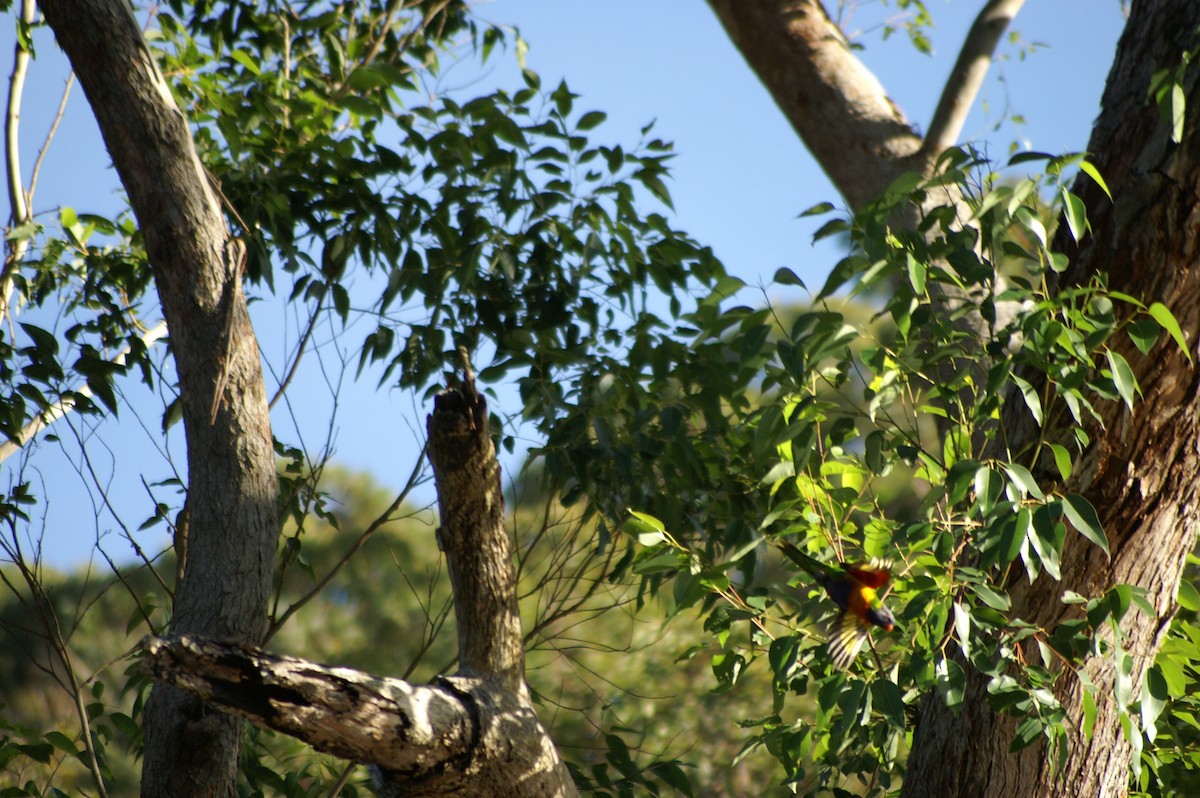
[460,736]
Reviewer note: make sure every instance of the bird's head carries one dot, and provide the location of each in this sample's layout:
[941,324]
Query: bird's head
[882,616]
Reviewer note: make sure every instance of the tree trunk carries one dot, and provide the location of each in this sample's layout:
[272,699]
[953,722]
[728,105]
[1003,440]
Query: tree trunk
[474,537]
[1140,471]
[233,524]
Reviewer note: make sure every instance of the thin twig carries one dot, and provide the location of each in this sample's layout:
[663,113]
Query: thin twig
[300,347]
[58,117]
[362,539]
[52,632]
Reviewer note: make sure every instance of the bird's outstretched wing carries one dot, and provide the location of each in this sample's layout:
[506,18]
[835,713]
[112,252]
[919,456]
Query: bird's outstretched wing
[847,633]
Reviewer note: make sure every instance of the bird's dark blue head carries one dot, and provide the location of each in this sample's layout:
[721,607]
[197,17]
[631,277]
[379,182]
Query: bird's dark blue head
[882,616]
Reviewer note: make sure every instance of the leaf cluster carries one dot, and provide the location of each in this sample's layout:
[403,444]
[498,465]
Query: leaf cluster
[987,351]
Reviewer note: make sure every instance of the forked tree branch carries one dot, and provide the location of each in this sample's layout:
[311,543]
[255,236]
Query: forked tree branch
[838,106]
[339,711]
[459,736]
[476,734]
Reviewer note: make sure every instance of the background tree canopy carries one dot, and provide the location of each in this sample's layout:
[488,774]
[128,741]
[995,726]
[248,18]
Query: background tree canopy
[993,390]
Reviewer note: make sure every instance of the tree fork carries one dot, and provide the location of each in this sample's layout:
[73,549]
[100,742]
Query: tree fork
[475,734]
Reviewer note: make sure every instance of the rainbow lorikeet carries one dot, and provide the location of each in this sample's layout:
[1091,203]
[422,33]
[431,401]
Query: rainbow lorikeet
[852,587]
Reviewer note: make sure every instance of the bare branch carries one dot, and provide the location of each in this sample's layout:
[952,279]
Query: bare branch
[68,84]
[17,198]
[474,537]
[459,736]
[12,122]
[970,69]
[340,711]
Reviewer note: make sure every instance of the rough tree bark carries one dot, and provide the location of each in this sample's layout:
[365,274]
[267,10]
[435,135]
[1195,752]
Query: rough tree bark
[190,749]
[475,734]
[1141,471]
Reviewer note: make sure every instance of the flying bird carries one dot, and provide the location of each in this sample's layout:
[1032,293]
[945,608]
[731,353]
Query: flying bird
[852,586]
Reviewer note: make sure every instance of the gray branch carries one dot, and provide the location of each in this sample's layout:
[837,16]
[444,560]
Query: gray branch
[459,736]
[962,86]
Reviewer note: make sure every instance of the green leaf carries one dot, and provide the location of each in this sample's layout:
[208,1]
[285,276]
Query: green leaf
[1027,733]
[779,472]
[817,210]
[785,276]
[1089,712]
[648,529]
[1188,598]
[950,681]
[43,340]
[1021,476]
[1032,400]
[1083,517]
[1163,316]
[962,628]
[1154,698]
[655,186]
[590,120]
[246,60]
[62,742]
[1062,459]
[1075,213]
[1144,334]
[1123,377]
[889,701]
[1043,536]
[1178,111]
[916,274]
[1026,157]
[1094,174]
[991,597]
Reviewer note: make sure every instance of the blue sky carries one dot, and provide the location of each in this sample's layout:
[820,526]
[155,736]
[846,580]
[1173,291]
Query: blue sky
[739,181]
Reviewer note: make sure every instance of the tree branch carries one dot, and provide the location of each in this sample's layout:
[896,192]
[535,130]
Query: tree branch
[460,736]
[958,95]
[474,537]
[841,111]
[339,711]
